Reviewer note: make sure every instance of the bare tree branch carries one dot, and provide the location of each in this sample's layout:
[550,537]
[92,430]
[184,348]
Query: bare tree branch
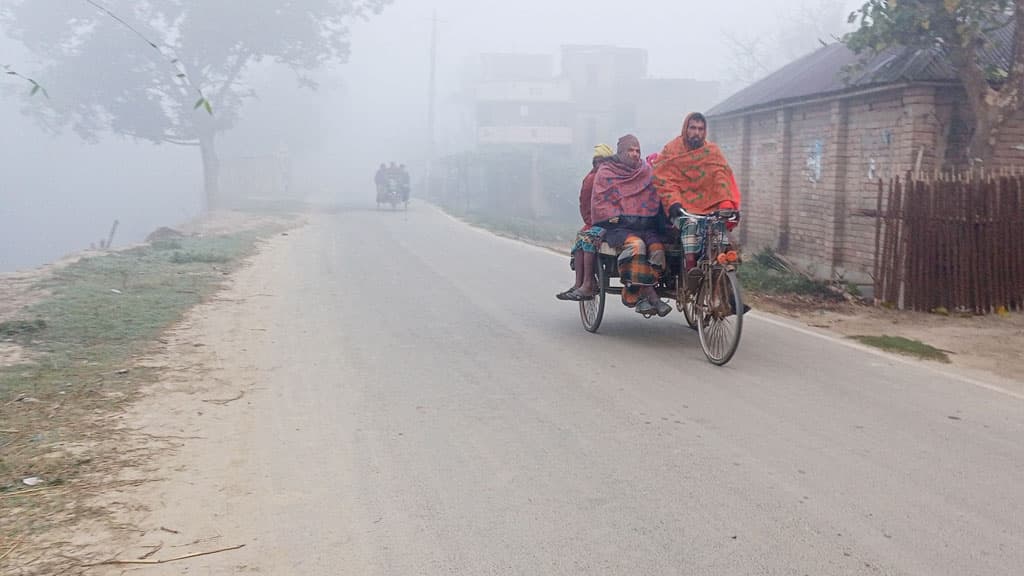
[178,142]
[36,86]
[174,61]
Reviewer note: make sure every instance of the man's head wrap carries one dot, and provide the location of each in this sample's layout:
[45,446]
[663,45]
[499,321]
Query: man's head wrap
[603,151]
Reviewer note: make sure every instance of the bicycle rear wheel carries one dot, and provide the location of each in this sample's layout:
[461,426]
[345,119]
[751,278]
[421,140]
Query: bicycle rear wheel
[690,312]
[719,311]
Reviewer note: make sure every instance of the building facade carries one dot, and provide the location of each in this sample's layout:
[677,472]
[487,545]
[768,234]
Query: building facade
[810,144]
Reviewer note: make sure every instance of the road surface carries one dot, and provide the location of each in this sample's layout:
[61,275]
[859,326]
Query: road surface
[417,402]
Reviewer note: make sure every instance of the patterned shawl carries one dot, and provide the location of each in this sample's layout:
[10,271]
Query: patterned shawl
[621,190]
[700,180]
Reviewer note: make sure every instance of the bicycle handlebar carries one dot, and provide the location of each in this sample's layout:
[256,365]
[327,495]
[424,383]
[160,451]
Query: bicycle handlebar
[727,215]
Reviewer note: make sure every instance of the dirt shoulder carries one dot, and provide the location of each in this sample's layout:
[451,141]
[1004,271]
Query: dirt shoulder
[77,342]
[991,344]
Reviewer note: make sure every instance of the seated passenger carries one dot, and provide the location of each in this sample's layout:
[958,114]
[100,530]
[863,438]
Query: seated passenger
[626,205]
[589,238]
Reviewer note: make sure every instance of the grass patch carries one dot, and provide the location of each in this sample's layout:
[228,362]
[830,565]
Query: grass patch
[538,230]
[905,346]
[100,314]
[21,330]
[102,310]
[765,273]
[167,244]
[199,257]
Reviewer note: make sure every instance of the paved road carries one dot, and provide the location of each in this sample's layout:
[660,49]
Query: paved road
[423,405]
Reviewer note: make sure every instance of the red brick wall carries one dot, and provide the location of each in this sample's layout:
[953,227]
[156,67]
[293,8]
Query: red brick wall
[758,173]
[876,151]
[1009,152]
[728,135]
[811,167]
[837,152]
[762,197]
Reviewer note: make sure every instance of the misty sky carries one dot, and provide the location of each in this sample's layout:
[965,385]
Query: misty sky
[59,194]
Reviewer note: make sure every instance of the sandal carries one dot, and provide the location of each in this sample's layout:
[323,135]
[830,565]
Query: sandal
[646,308]
[581,297]
[662,308]
[584,296]
[574,296]
[567,295]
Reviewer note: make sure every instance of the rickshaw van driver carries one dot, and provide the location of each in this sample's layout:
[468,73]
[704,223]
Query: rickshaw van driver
[692,173]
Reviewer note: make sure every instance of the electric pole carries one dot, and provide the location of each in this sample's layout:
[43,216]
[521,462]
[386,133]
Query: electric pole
[433,80]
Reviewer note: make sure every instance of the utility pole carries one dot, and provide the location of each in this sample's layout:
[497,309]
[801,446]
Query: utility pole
[433,81]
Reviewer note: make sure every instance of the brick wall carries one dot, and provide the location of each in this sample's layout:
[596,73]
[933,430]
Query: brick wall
[875,151]
[1009,151]
[811,168]
[728,134]
[809,174]
[763,193]
[753,147]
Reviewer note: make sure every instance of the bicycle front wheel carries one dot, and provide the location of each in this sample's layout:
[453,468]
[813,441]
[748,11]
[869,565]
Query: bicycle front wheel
[719,311]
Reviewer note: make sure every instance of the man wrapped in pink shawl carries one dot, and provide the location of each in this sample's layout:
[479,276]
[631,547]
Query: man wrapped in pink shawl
[626,204]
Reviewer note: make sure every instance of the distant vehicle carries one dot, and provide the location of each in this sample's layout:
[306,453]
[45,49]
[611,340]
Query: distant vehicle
[391,192]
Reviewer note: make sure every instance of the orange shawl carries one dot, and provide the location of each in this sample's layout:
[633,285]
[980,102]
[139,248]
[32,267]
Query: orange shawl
[700,180]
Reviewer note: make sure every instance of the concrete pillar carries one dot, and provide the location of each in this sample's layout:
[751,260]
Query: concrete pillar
[784,120]
[921,130]
[743,176]
[837,182]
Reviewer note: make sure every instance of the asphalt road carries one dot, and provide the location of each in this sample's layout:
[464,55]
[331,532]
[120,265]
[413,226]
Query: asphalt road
[423,405]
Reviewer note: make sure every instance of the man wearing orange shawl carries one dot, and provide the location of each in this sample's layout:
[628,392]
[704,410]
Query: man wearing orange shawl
[693,174]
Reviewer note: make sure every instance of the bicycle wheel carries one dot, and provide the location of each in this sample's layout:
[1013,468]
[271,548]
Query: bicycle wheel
[690,312]
[592,311]
[719,310]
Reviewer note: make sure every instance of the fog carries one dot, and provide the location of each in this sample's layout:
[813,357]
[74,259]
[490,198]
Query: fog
[59,193]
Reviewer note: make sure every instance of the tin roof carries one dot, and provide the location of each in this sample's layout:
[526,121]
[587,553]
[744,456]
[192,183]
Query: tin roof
[825,72]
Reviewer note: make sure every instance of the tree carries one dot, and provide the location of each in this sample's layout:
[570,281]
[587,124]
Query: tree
[104,78]
[803,28]
[37,88]
[961,31]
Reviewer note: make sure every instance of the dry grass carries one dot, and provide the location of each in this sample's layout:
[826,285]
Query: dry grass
[61,412]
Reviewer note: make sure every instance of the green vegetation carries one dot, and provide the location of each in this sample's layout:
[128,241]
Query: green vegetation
[20,329]
[766,273]
[965,31]
[79,346]
[102,310]
[538,230]
[168,244]
[904,346]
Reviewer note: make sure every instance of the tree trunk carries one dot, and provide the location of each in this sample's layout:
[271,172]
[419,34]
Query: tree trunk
[211,169]
[993,107]
[981,150]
